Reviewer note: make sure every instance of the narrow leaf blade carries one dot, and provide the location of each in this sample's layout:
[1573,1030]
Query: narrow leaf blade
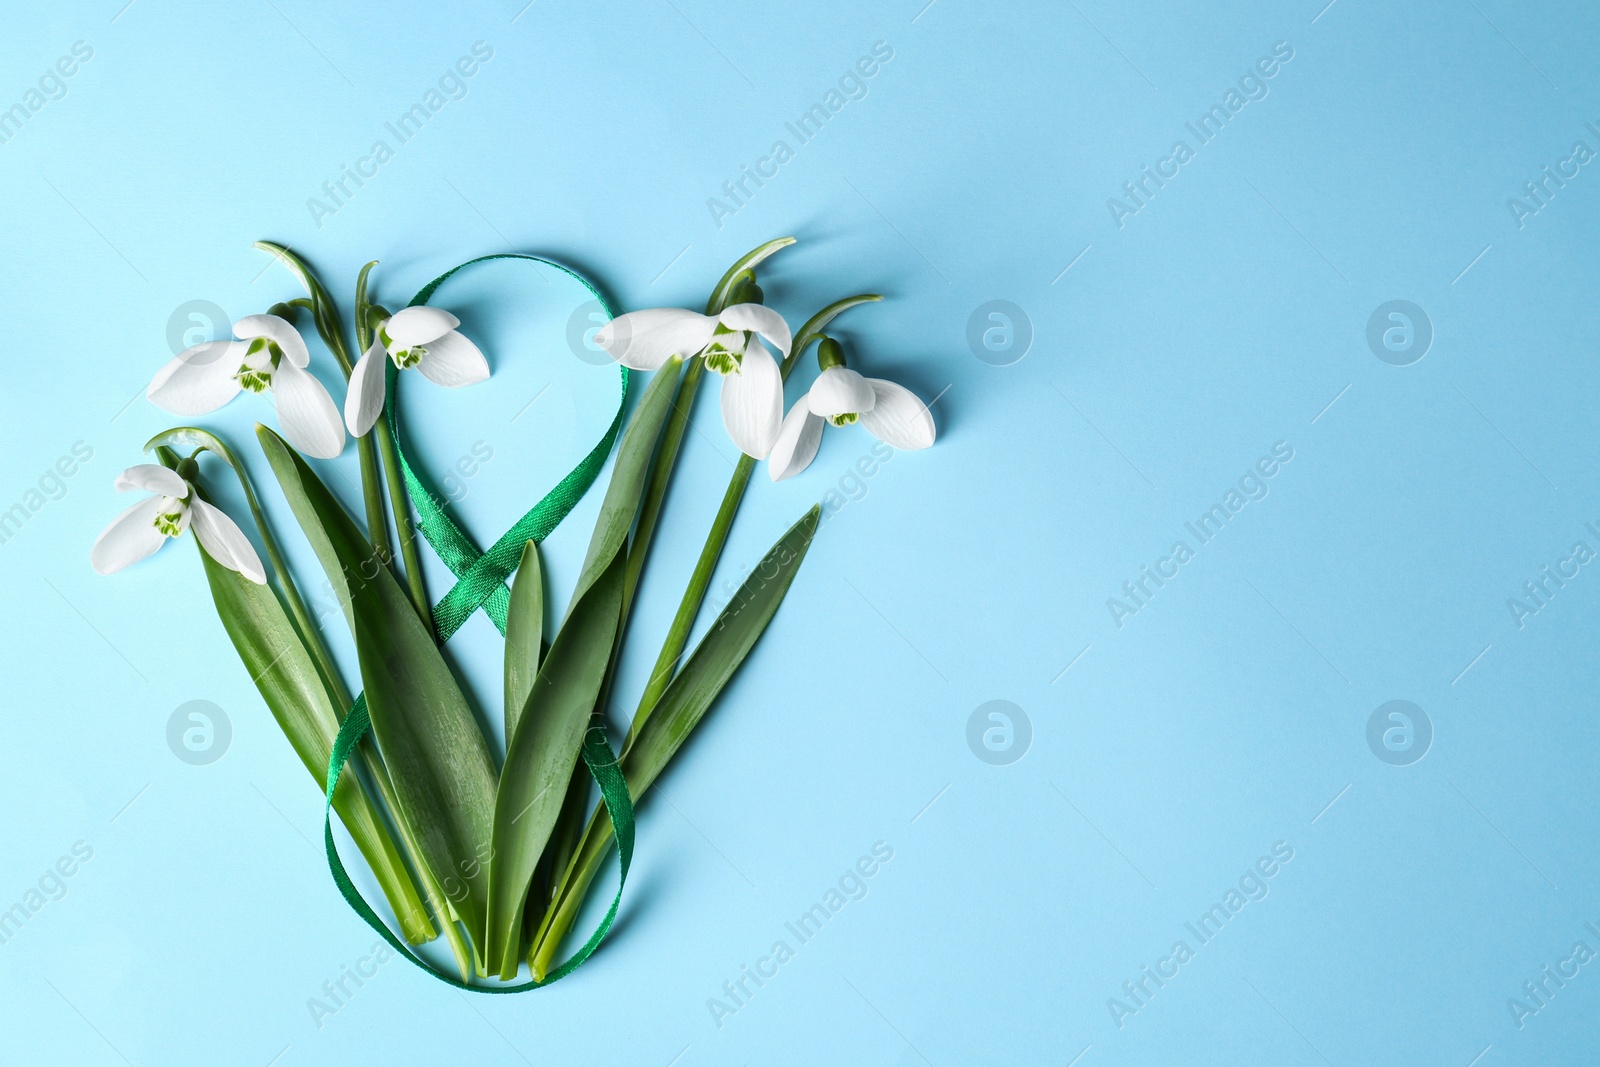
[621,503]
[437,756]
[542,754]
[819,322]
[748,261]
[524,635]
[675,716]
[718,656]
[287,678]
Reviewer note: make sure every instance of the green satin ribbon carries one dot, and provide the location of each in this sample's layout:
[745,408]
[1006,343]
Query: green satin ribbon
[483,575]
[481,578]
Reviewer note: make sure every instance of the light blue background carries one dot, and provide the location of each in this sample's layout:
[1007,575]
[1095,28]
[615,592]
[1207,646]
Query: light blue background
[1227,715]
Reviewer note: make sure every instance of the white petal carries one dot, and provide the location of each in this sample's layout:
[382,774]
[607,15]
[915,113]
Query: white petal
[453,361]
[898,418]
[222,539]
[199,381]
[153,478]
[418,325]
[840,391]
[277,330]
[762,320]
[306,413]
[643,340]
[363,400]
[131,537]
[752,402]
[797,443]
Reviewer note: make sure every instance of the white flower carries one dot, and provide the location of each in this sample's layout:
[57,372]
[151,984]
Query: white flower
[752,382]
[422,337]
[270,355]
[175,507]
[890,412]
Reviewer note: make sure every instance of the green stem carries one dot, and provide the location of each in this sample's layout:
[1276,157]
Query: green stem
[372,500]
[699,581]
[325,316]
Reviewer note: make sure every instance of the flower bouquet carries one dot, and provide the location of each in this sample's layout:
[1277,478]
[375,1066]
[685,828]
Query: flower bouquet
[492,844]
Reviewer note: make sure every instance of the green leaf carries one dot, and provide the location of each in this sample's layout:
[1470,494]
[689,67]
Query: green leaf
[621,502]
[718,655]
[287,677]
[363,327]
[524,635]
[819,322]
[437,757]
[677,713]
[748,261]
[323,311]
[542,754]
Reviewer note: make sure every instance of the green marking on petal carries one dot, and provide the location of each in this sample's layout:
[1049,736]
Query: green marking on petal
[408,357]
[261,358]
[170,523]
[256,381]
[845,419]
[722,361]
[726,358]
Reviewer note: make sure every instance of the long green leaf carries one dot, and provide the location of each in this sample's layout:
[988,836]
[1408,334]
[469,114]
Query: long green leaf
[286,675]
[724,287]
[718,655]
[324,313]
[621,503]
[542,755]
[678,712]
[436,754]
[817,323]
[529,803]
[524,635]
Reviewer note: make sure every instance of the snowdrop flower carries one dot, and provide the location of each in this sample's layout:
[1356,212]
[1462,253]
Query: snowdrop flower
[270,356]
[174,508]
[752,382]
[890,412]
[422,337]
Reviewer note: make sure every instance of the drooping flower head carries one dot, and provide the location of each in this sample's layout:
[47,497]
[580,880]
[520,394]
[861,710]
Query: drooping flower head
[422,337]
[269,356]
[173,507]
[734,344]
[891,413]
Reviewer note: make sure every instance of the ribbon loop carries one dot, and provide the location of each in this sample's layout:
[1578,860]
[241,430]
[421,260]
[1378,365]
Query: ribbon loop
[483,574]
